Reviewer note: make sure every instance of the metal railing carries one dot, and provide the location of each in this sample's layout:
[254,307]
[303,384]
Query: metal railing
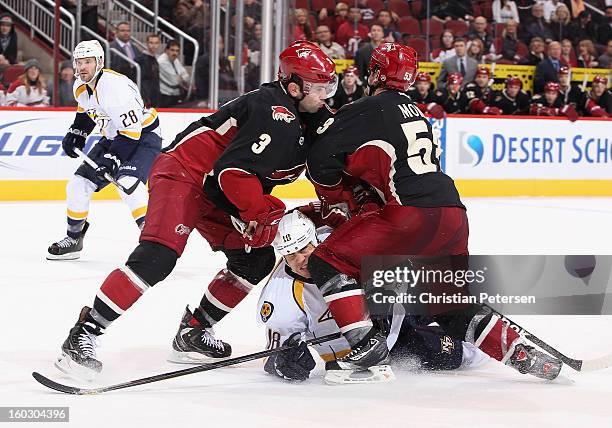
[143,22]
[39,16]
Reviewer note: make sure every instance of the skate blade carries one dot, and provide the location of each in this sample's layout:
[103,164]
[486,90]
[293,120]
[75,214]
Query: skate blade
[374,374]
[181,357]
[67,366]
[68,256]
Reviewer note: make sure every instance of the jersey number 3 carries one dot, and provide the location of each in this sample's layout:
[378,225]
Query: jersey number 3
[423,154]
[259,146]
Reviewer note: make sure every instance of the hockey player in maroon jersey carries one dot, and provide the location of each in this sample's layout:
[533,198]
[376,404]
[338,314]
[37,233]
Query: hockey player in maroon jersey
[479,93]
[452,98]
[221,168]
[512,99]
[385,140]
[598,101]
[569,93]
[551,104]
[423,96]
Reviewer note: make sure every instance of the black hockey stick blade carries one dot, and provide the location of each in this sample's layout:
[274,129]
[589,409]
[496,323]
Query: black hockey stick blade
[169,375]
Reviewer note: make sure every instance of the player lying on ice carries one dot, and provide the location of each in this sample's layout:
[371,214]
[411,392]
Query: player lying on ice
[386,141]
[220,167]
[292,307]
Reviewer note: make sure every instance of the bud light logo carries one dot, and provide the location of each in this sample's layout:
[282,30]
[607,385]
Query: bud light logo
[471,149]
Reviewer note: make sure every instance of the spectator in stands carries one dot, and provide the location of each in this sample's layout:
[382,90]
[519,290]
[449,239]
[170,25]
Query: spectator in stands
[547,70]
[446,10]
[560,23]
[301,28]
[367,13]
[577,7]
[504,11]
[2,96]
[549,7]
[8,38]
[587,54]
[460,63]
[351,32]
[349,89]
[124,44]
[89,13]
[29,90]
[363,55]
[173,78]
[604,30]
[583,28]
[605,60]
[475,50]
[254,43]
[480,30]
[252,9]
[388,22]
[340,17]
[149,67]
[227,82]
[568,57]
[66,83]
[536,52]
[537,26]
[507,46]
[3,65]
[327,45]
[446,49]
[188,13]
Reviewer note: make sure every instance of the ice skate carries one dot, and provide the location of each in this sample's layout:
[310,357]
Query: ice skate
[78,357]
[372,352]
[528,360]
[195,343]
[68,248]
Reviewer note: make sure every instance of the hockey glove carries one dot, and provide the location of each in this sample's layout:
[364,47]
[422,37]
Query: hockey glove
[323,214]
[491,111]
[436,110]
[261,231]
[109,164]
[569,111]
[295,363]
[367,198]
[75,138]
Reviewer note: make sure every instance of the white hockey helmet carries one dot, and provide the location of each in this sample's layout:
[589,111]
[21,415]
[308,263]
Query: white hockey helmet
[295,231]
[89,49]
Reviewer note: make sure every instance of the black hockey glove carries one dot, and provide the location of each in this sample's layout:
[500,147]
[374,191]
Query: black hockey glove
[75,138]
[296,362]
[110,164]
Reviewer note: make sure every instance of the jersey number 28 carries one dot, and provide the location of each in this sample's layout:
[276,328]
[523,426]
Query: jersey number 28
[420,150]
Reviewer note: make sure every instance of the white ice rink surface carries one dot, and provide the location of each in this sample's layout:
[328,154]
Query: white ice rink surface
[41,300]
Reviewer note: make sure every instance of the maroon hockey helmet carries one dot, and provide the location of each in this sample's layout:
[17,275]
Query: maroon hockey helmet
[514,81]
[551,87]
[483,71]
[563,70]
[351,70]
[397,66]
[423,76]
[454,79]
[308,62]
[600,79]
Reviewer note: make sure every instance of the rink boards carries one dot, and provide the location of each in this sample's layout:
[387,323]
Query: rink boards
[487,156]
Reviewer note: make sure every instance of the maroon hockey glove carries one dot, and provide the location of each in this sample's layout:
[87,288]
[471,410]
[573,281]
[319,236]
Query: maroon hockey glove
[367,198]
[323,214]
[262,231]
[491,110]
[436,110]
[569,111]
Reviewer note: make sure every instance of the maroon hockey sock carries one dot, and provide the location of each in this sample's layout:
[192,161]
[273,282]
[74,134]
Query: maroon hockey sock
[349,310]
[222,295]
[497,339]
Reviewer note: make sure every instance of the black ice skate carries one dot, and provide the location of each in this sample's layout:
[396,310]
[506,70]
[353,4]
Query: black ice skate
[528,360]
[67,248]
[79,350]
[195,343]
[371,352]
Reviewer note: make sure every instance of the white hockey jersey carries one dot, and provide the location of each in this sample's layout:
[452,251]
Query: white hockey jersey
[115,104]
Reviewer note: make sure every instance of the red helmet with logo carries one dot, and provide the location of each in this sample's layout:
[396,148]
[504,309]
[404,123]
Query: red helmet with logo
[308,62]
[423,76]
[564,70]
[551,87]
[600,79]
[397,66]
[454,79]
[351,70]
[483,71]
[514,81]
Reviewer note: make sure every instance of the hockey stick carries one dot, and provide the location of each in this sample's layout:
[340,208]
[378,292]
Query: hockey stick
[107,176]
[578,365]
[169,375]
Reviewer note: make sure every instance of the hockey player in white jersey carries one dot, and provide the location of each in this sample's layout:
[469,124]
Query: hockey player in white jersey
[130,142]
[292,308]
